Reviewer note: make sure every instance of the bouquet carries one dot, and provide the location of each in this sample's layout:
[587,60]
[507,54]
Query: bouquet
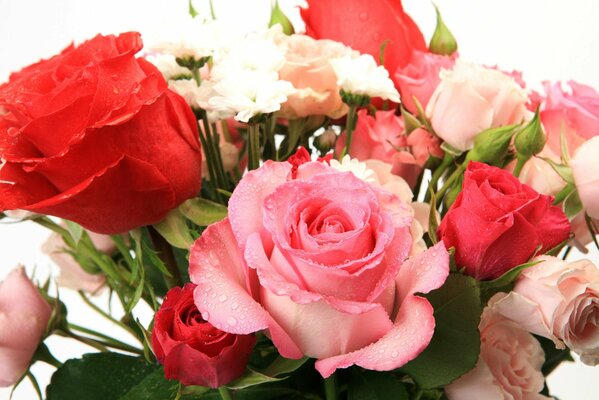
[349,213]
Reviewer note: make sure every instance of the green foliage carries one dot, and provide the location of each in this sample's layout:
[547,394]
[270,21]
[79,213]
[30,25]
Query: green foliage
[372,385]
[454,348]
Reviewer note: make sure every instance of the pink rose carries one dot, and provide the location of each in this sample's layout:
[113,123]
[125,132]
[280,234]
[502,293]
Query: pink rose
[585,170]
[540,175]
[577,113]
[307,67]
[471,98]
[72,275]
[509,365]
[560,301]
[320,262]
[24,315]
[420,77]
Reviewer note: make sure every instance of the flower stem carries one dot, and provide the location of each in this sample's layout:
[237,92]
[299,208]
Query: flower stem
[349,129]
[108,316]
[225,393]
[165,252]
[519,166]
[437,175]
[110,342]
[253,146]
[330,388]
[448,183]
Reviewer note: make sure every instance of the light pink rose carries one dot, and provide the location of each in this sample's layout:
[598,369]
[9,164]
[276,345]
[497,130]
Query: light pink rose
[24,315]
[540,175]
[72,275]
[383,138]
[585,170]
[576,112]
[509,364]
[319,262]
[420,77]
[471,98]
[560,301]
[308,68]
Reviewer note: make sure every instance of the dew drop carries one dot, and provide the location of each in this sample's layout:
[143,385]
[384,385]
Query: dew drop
[394,354]
[232,321]
[222,298]
[234,306]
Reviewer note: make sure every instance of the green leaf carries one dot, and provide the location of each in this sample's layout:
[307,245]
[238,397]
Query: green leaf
[371,385]
[283,365]
[251,378]
[508,277]
[411,123]
[271,373]
[455,345]
[203,212]
[109,376]
[175,230]
[75,230]
[572,205]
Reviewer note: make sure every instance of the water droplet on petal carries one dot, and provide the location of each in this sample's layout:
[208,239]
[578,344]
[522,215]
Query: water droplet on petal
[232,321]
[222,298]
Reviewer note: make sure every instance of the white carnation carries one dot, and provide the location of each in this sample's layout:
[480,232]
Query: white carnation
[167,65]
[353,165]
[361,76]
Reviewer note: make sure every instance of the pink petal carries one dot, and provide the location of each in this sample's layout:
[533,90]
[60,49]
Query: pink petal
[425,272]
[245,205]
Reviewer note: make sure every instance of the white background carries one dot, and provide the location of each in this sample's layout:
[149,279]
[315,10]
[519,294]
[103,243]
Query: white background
[547,39]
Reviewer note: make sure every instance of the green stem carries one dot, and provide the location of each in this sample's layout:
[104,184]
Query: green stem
[253,146]
[349,129]
[165,252]
[225,393]
[330,388]
[437,174]
[213,140]
[519,166]
[108,316]
[565,192]
[111,342]
[88,341]
[448,183]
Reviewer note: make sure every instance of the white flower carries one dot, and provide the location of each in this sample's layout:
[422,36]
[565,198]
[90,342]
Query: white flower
[167,65]
[186,88]
[249,93]
[353,165]
[361,76]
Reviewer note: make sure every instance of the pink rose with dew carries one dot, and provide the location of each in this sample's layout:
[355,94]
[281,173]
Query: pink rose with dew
[420,77]
[560,301]
[321,263]
[24,315]
[509,364]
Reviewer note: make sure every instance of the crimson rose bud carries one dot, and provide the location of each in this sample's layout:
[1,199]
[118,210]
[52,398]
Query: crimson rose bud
[365,26]
[497,222]
[193,351]
[94,135]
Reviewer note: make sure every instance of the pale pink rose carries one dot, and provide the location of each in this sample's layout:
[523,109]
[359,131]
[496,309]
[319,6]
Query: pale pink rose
[470,99]
[72,275]
[320,262]
[585,170]
[576,112]
[420,77]
[24,315]
[540,175]
[308,68]
[509,364]
[560,301]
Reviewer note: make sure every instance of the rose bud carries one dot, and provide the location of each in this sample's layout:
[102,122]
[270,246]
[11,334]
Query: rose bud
[560,301]
[94,135]
[24,315]
[497,223]
[193,351]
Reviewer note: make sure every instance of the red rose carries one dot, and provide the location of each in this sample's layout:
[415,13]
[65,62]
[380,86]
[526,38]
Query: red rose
[365,26]
[193,351]
[497,223]
[93,135]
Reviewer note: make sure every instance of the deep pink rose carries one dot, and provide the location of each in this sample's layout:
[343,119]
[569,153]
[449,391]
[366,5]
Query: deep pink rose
[575,111]
[420,78]
[192,350]
[24,315]
[497,223]
[319,262]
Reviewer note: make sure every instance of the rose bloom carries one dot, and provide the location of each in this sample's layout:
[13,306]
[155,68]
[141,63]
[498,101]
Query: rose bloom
[307,67]
[319,262]
[24,315]
[420,78]
[365,26]
[72,275]
[192,350]
[470,99]
[560,301]
[509,365]
[383,138]
[497,223]
[585,171]
[575,112]
[93,135]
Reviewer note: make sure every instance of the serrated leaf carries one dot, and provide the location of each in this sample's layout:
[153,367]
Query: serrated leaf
[153,386]
[455,345]
[283,365]
[203,212]
[371,385]
[105,376]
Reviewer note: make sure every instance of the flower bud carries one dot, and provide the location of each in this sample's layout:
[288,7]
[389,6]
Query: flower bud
[443,42]
[491,146]
[531,139]
[326,141]
[278,17]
